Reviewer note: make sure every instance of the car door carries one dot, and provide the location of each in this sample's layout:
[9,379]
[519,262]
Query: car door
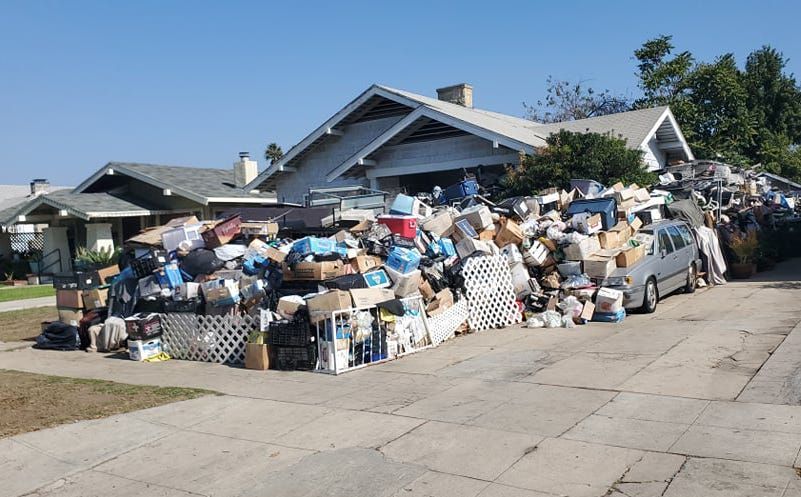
[665,262]
[681,257]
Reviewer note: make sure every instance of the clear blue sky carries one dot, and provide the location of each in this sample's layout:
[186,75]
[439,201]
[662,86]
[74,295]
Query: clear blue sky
[193,83]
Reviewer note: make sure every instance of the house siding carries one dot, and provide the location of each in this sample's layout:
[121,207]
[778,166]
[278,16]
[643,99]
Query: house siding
[654,157]
[431,152]
[313,168]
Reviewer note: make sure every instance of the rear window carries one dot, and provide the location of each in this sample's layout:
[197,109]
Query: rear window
[685,233]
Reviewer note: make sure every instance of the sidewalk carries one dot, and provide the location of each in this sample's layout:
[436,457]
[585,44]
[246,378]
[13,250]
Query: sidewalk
[15,305]
[653,406]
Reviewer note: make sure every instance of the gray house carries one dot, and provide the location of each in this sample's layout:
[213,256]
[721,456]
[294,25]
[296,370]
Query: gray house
[390,140]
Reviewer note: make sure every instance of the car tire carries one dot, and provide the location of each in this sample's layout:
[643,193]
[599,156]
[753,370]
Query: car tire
[692,277]
[651,296]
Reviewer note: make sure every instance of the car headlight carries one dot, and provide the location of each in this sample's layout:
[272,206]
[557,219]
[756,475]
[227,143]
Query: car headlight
[619,281]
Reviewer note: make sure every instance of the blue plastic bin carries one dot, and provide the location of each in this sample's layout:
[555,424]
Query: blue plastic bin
[606,207]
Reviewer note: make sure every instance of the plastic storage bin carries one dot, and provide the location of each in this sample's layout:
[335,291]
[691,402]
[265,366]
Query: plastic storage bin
[289,333]
[296,358]
[460,190]
[606,207]
[405,226]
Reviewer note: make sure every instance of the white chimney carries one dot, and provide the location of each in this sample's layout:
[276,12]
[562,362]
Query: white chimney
[245,170]
[39,186]
[461,94]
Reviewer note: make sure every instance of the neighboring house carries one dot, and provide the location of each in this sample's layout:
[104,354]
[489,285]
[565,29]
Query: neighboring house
[391,140]
[23,238]
[120,199]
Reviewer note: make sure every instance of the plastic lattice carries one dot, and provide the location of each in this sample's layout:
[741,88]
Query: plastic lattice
[218,339]
[443,326]
[489,291]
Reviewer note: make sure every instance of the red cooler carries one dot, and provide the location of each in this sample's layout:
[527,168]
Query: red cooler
[405,226]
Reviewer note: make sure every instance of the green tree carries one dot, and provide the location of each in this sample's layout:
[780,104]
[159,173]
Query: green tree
[566,101]
[273,153]
[570,155]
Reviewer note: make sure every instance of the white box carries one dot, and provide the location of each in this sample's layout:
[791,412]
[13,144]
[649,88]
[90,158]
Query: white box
[583,249]
[479,217]
[467,246]
[512,254]
[599,267]
[327,351]
[185,237]
[536,254]
[139,350]
[187,291]
[523,283]
[608,300]
[405,284]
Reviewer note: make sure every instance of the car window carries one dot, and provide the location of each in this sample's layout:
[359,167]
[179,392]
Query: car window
[678,240]
[685,233]
[664,242]
[646,239]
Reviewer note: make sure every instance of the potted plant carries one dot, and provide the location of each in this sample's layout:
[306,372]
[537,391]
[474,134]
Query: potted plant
[744,247]
[93,259]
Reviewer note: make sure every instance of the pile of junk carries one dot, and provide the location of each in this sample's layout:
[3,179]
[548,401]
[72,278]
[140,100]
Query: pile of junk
[400,281]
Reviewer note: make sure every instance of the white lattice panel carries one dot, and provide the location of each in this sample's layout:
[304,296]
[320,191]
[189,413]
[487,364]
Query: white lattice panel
[443,326]
[489,291]
[218,339]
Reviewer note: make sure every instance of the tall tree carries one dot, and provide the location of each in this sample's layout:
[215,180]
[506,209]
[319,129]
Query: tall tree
[570,155]
[273,153]
[566,101]
[661,79]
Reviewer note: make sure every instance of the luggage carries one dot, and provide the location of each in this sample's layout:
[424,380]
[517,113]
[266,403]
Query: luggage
[606,207]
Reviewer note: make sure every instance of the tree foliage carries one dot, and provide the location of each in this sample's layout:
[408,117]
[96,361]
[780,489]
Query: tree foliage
[566,101]
[570,155]
[273,153]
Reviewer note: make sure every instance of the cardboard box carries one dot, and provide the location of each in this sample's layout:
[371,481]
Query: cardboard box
[426,291]
[615,237]
[587,223]
[479,217]
[289,305]
[367,297]
[187,291]
[468,246]
[322,305]
[95,299]
[630,256]
[587,311]
[599,267]
[69,298]
[140,350]
[143,326]
[550,244]
[403,260]
[487,234]
[257,356]
[441,302]
[259,228]
[537,254]
[463,229]
[364,263]
[377,279]
[509,233]
[405,284]
[274,254]
[221,292]
[624,195]
[583,249]
[608,300]
[70,316]
[642,195]
[512,254]
[635,225]
[440,223]
[313,271]
[106,274]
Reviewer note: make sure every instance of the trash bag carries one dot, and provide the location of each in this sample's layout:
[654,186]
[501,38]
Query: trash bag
[58,336]
[201,261]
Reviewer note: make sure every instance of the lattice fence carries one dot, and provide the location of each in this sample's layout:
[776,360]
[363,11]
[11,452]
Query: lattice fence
[443,326]
[489,291]
[24,243]
[218,339]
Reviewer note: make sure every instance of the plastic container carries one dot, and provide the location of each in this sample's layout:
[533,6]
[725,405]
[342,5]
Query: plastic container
[459,190]
[405,226]
[223,232]
[296,358]
[606,207]
[289,333]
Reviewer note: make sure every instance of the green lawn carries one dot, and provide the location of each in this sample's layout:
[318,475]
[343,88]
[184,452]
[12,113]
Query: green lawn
[25,292]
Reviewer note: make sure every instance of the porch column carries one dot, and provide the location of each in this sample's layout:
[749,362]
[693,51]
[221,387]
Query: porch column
[55,237]
[5,244]
[99,237]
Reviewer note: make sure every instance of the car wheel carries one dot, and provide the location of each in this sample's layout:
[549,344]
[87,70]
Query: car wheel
[651,296]
[692,276]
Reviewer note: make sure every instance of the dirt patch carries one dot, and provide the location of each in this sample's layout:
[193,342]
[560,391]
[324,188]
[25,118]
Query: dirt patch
[24,324]
[30,402]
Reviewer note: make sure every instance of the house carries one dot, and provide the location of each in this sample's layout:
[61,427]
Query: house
[121,198]
[391,140]
[23,238]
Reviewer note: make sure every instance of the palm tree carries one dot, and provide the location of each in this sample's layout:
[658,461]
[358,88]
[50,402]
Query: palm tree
[273,153]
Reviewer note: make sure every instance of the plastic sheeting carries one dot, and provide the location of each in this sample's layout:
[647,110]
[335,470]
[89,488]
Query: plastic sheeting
[709,246]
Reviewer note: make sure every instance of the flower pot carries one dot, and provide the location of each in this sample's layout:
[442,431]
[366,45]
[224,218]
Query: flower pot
[742,271]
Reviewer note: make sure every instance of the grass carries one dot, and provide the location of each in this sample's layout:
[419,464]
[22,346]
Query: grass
[24,324]
[25,292]
[34,401]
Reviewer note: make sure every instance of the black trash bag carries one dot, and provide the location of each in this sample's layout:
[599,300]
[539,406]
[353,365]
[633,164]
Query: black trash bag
[201,261]
[58,336]
[346,282]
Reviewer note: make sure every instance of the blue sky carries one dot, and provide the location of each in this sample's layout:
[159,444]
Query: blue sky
[193,83]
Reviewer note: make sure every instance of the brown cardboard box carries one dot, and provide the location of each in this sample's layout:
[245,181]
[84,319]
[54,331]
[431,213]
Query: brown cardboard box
[616,236]
[426,291]
[630,256]
[635,225]
[314,271]
[599,267]
[510,233]
[366,297]
[549,244]
[69,298]
[364,263]
[582,250]
[95,298]
[274,254]
[257,356]
[624,195]
[642,195]
[587,311]
[107,273]
[322,305]
[442,301]
[288,306]
[440,223]
[70,316]
[487,234]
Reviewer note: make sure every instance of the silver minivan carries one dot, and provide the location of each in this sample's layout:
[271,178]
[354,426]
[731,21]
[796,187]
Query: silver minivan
[671,263]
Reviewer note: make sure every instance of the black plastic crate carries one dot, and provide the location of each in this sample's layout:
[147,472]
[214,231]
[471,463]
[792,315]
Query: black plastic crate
[145,265]
[191,305]
[76,280]
[289,333]
[296,358]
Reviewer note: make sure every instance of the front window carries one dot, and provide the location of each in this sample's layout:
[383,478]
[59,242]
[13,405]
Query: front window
[664,242]
[646,239]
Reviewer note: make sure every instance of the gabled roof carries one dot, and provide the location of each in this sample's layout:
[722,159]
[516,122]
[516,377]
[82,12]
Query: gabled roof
[636,127]
[13,195]
[85,206]
[202,185]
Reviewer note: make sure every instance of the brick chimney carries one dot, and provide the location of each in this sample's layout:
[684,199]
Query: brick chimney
[39,186]
[461,94]
[245,170]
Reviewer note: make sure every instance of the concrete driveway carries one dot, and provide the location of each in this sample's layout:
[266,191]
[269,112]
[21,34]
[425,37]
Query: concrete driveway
[699,399]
